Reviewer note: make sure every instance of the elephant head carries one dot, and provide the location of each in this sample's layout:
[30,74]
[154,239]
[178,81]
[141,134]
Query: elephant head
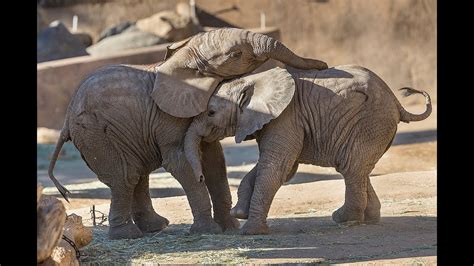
[194,67]
[239,107]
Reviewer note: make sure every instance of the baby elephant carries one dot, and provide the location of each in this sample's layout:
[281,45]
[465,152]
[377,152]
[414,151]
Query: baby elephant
[344,117]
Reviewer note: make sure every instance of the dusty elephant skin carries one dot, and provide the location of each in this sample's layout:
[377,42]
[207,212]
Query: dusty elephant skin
[344,117]
[127,121]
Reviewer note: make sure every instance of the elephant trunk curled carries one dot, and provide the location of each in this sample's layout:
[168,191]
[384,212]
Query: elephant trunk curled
[192,142]
[267,46]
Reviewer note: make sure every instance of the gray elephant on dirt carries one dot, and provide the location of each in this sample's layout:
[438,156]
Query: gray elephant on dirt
[127,121]
[344,117]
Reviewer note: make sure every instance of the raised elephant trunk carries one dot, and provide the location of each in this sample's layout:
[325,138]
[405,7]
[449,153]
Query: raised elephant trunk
[265,45]
[192,142]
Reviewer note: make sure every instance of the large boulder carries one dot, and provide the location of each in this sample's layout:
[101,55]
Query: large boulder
[128,39]
[115,29]
[56,42]
[171,25]
[84,38]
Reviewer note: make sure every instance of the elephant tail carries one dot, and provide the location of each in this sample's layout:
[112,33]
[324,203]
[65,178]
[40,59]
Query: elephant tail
[406,116]
[63,137]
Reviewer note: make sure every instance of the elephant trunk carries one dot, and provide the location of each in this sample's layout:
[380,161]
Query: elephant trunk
[265,45]
[192,142]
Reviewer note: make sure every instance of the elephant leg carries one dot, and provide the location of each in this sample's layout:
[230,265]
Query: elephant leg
[355,202]
[214,170]
[241,209]
[269,178]
[372,211]
[105,160]
[143,213]
[120,218]
[197,193]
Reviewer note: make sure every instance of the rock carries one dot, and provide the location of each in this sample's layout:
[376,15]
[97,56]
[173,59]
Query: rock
[129,39]
[56,42]
[114,30]
[171,25]
[84,38]
[46,135]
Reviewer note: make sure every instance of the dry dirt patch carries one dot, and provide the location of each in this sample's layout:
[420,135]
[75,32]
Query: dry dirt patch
[301,229]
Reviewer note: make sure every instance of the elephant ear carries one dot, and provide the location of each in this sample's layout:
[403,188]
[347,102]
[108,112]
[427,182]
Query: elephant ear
[264,99]
[184,92]
[172,48]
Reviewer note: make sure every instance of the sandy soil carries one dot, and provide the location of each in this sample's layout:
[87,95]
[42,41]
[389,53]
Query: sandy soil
[300,217]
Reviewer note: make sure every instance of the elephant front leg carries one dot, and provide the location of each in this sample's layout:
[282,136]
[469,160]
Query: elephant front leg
[143,213]
[241,209]
[197,194]
[269,178]
[214,170]
[120,219]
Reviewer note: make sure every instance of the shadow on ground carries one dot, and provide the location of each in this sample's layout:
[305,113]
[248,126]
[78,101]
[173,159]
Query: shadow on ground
[300,238]
[299,178]
[104,193]
[415,137]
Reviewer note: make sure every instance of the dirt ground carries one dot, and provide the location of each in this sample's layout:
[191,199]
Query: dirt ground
[300,217]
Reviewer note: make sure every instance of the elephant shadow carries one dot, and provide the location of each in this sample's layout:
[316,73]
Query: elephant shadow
[299,178]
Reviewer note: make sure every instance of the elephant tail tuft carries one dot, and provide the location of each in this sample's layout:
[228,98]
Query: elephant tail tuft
[63,137]
[406,116]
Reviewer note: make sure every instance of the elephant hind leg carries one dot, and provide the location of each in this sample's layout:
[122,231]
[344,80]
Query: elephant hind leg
[366,148]
[120,220]
[361,202]
[355,201]
[110,165]
[372,211]
[143,214]
[244,193]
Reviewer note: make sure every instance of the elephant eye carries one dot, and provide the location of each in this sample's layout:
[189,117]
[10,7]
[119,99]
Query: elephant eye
[211,113]
[235,54]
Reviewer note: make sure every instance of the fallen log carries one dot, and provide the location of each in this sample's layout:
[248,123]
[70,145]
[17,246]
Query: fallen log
[75,236]
[51,216]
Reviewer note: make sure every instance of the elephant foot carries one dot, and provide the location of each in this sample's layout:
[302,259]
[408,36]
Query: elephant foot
[253,228]
[343,215]
[372,215]
[150,222]
[227,223]
[126,231]
[239,212]
[205,226]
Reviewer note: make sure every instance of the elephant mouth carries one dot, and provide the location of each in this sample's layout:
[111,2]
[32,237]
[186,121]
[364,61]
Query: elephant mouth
[215,135]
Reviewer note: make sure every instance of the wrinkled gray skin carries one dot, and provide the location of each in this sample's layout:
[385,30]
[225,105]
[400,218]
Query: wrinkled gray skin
[127,121]
[344,117]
